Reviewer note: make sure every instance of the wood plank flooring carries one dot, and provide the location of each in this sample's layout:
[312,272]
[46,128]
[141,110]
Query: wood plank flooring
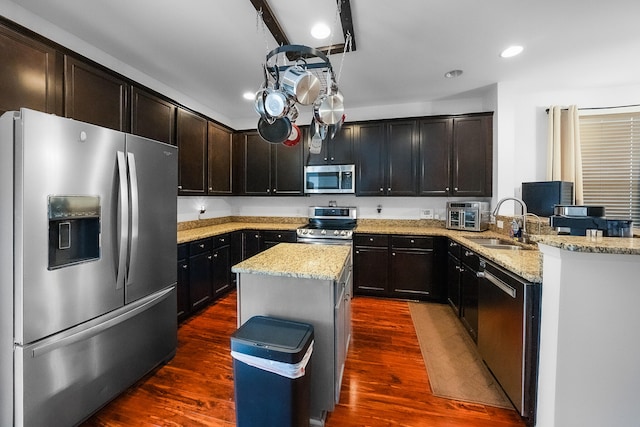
[385,381]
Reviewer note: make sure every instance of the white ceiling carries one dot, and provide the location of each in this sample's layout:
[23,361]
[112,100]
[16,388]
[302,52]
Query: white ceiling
[210,51]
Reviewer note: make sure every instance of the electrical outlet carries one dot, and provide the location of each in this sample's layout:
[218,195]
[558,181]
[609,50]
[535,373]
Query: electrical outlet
[500,224]
[426,213]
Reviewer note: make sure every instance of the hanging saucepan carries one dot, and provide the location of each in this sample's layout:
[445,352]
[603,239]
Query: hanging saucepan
[276,132]
[294,136]
[302,84]
[276,103]
[328,109]
[334,129]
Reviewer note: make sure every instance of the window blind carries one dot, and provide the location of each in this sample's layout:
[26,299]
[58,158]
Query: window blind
[611,163]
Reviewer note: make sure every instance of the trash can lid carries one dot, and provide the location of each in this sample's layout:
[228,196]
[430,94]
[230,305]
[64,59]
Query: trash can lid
[272,338]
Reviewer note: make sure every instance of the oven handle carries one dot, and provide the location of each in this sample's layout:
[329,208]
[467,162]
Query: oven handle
[325,241]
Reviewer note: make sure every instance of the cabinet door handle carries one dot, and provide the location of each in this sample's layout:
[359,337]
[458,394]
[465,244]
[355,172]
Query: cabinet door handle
[468,253]
[222,239]
[452,244]
[275,190]
[201,245]
[381,190]
[325,159]
[179,187]
[185,266]
[210,188]
[215,255]
[393,253]
[446,188]
[209,257]
[455,188]
[389,189]
[357,252]
[333,158]
[268,190]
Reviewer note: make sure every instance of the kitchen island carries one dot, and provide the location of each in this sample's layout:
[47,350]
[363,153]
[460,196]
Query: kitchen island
[310,284]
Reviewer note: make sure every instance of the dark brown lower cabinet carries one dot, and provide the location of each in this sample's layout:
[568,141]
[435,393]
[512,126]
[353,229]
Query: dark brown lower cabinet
[183,282]
[462,285]
[272,238]
[412,267]
[398,266]
[200,290]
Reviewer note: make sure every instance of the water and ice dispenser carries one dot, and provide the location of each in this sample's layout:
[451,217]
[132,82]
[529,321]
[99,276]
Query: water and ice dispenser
[74,230]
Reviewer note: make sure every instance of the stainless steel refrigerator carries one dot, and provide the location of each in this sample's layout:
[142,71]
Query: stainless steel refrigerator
[87,265]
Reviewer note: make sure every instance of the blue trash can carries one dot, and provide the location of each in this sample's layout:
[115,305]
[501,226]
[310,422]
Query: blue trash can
[271,370]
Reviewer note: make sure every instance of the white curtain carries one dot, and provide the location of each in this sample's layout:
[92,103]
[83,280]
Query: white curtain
[564,161]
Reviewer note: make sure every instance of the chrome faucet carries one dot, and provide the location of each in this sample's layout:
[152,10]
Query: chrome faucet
[524,211]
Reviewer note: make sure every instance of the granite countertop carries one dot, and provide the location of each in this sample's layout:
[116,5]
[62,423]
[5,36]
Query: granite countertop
[525,263]
[604,245]
[196,233]
[300,260]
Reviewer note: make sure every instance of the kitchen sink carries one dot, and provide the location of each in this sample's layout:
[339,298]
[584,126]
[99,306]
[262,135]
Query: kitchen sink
[496,243]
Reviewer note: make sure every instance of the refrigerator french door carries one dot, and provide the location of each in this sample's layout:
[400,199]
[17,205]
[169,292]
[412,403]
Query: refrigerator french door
[88,279]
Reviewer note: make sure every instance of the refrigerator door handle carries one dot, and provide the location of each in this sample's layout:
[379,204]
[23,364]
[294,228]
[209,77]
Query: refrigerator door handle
[135,215]
[124,220]
[139,307]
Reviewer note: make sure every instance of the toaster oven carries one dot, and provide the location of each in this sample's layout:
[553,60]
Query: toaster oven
[468,216]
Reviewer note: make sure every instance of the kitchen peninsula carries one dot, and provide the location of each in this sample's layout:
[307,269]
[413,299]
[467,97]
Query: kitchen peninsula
[588,365]
[311,284]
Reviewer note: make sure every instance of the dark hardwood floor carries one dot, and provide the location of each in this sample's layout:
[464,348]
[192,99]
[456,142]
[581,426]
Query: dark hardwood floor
[385,381]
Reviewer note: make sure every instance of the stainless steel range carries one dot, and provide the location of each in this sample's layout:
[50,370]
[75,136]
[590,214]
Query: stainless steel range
[329,225]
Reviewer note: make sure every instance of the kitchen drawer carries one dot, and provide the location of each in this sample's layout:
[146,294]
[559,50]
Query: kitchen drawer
[220,241]
[200,246]
[279,236]
[411,242]
[378,240]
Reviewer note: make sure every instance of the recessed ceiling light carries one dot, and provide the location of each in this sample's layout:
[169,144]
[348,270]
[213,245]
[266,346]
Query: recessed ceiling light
[249,96]
[511,51]
[453,74]
[320,31]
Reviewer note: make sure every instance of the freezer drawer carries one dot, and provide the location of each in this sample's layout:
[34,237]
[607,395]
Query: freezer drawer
[92,364]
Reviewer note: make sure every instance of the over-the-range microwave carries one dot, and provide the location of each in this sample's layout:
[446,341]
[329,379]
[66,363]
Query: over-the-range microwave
[329,179]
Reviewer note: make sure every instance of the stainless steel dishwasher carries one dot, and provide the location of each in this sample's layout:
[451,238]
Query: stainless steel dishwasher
[508,333]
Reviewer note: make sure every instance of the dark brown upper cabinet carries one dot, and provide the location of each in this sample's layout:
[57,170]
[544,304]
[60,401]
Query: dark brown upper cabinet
[191,137]
[336,151]
[472,166]
[30,74]
[434,168]
[152,116]
[220,160]
[456,156]
[386,158]
[270,169]
[95,96]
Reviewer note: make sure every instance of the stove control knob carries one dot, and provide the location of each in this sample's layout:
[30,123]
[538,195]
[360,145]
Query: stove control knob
[305,231]
[310,231]
[342,233]
[323,232]
[336,232]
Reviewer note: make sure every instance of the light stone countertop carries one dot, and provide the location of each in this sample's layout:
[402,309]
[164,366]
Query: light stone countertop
[299,260]
[525,263]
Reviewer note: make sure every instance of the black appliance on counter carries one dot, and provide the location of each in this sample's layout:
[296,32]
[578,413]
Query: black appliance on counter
[541,197]
[575,220]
